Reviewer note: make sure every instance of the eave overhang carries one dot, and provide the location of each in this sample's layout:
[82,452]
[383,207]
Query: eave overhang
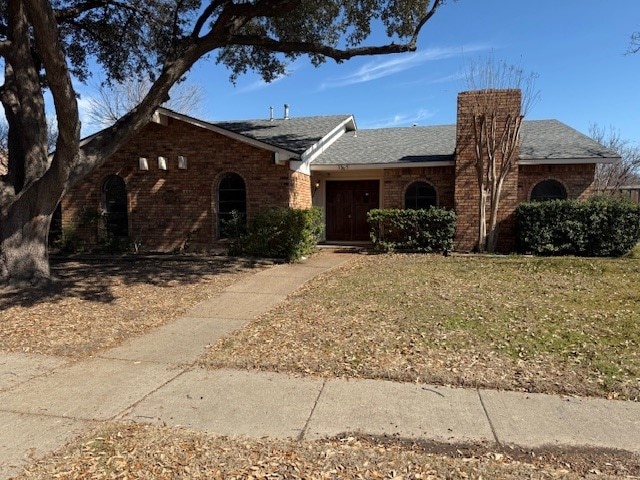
[380,166]
[281,155]
[567,161]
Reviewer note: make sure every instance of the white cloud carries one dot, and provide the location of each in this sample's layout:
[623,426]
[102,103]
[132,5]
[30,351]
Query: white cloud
[390,66]
[400,119]
[260,83]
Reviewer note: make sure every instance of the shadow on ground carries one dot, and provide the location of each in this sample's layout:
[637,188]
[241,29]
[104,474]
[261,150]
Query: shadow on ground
[91,277]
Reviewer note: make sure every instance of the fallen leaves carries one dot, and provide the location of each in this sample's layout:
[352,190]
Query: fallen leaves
[118,451]
[98,303]
[554,325]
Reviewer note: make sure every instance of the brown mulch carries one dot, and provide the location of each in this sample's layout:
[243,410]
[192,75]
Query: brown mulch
[149,452]
[97,302]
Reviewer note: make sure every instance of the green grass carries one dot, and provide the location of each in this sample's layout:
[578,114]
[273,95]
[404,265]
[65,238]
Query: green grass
[568,325]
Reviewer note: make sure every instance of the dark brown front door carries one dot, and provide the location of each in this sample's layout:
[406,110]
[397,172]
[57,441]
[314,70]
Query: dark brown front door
[347,205]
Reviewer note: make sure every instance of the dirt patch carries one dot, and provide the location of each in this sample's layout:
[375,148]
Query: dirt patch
[97,302]
[549,325]
[139,451]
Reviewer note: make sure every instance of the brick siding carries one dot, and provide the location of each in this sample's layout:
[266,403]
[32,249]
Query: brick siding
[299,190]
[170,209]
[577,179]
[397,180]
[174,209]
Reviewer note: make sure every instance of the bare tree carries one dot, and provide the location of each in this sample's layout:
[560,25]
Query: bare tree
[496,135]
[611,176]
[114,100]
[634,46]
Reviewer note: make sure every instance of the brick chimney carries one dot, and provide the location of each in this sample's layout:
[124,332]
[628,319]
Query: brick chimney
[467,193]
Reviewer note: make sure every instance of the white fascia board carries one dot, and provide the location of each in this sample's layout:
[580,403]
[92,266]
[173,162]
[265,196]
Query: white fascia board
[298,166]
[567,161]
[379,166]
[325,142]
[282,155]
[160,118]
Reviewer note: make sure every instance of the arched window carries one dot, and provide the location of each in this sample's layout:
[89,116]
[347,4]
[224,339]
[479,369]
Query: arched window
[420,195]
[232,197]
[115,206]
[548,190]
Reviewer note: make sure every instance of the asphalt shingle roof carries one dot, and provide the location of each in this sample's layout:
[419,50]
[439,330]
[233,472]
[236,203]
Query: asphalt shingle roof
[390,145]
[551,139]
[541,139]
[295,134]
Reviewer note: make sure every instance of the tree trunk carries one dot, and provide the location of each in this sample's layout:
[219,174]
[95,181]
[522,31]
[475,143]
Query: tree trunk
[482,220]
[492,236]
[24,234]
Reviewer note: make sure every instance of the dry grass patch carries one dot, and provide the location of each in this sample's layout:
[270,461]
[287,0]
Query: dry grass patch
[555,325]
[146,452]
[97,302]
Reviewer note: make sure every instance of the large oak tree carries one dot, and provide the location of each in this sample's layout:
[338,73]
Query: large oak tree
[46,44]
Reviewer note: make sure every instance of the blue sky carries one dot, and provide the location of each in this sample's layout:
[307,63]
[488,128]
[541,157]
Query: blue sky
[576,47]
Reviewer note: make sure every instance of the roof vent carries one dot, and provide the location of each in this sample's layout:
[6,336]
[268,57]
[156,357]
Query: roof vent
[271,114]
[286,111]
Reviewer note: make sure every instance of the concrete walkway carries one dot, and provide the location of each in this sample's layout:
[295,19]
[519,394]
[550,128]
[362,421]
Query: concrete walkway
[45,401]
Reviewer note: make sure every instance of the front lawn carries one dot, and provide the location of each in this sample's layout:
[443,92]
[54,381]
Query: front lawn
[556,325]
[98,302]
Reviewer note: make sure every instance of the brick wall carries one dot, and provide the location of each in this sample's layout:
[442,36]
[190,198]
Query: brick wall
[170,208]
[397,180]
[577,179]
[467,195]
[299,190]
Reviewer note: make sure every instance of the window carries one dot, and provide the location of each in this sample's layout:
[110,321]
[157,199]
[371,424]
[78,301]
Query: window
[232,197]
[114,191]
[548,190]
[420,195]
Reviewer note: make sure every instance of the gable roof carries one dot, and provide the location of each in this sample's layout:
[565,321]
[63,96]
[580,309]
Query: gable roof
[542,141]
[291,137]
[296,134]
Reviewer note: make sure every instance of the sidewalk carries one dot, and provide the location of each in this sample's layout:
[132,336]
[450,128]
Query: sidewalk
[45,402]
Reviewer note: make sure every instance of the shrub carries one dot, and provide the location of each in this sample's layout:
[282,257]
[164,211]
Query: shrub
[280,232]
[427,230]
[599,227]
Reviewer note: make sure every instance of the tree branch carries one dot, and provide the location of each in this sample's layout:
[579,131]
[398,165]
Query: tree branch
[337,54]
[29,138]
[206,14]
[437,4]
[63,14]
[47,39]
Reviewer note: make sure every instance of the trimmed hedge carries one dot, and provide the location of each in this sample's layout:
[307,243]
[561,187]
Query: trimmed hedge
[280,232]
[427,230]
[599,227]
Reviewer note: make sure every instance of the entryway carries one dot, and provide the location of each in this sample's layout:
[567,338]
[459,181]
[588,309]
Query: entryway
[347,205]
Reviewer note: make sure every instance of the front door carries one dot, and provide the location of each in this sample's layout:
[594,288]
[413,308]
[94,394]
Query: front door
[348,203]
